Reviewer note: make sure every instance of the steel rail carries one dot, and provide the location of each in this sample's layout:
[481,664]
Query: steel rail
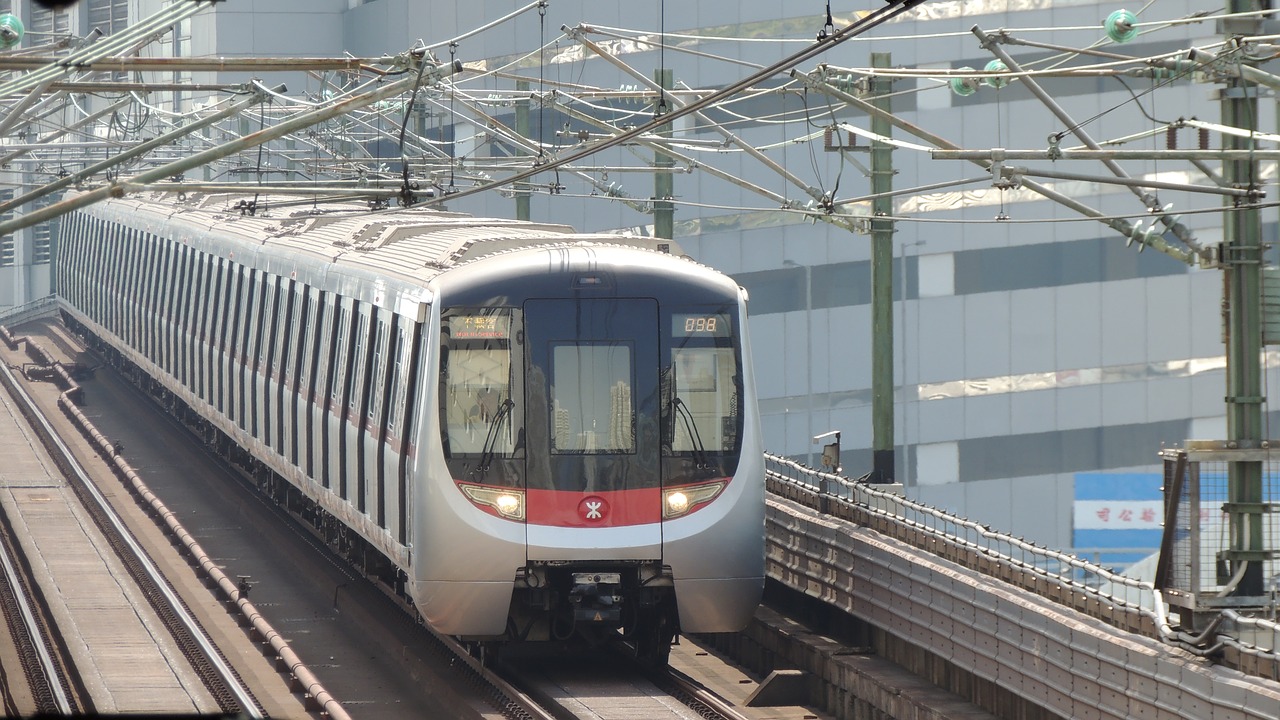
[235,685]
[35,629]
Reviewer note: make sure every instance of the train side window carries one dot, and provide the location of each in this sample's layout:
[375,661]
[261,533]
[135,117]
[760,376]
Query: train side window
[240,326]
[378,371]
[592,398]
[268,360]
[226,281]
[189,279]
[398,381]
[289,332]
[358,387]
[129,280]
[337,382]
[306,337]
[152,275]
[413,390]
[263,319]
[164,316]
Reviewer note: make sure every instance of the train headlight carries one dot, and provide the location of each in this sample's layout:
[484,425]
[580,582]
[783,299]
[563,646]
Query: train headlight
[507,502]
[678,501]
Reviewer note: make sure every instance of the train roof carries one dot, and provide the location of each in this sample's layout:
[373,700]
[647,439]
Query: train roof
[413,245]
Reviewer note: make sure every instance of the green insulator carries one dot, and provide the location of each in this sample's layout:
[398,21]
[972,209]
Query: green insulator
[1121,26]
[11,30]
[964,86]
[996,66]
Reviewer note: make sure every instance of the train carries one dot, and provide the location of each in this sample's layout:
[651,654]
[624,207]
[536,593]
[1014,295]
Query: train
[527,433]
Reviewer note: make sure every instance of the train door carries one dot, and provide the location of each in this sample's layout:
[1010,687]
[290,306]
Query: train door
[593,435]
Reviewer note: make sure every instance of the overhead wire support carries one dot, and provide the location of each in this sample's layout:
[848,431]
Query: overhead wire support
[182,165]
[62,66]
[136,151]
[47,140]
[656,142]
[729,137]
[871,20]
[991,43]
[1131,231]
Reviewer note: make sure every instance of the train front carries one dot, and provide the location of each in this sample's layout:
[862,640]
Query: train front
[599,468]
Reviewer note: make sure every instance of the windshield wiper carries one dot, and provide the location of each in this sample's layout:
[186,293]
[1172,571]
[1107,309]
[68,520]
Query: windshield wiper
[691,426]
[488,451]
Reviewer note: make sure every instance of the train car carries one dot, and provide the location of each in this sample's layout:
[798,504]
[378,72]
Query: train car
[529,434]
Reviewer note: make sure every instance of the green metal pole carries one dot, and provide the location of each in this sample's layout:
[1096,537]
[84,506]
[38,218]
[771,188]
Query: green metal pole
[881,281]
[522,128]
[1242,264]
[664,212]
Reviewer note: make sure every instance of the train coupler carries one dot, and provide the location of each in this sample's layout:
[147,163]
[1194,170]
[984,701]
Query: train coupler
[597,598]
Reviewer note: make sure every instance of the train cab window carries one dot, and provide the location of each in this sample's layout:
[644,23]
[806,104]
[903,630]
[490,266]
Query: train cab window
[477,415]
[703,408]
[592,398]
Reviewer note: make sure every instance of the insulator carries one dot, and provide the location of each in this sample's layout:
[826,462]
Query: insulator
[964,86]
[995,66]
[1121,26]
[11,30]
[1171,138]
[1204,138]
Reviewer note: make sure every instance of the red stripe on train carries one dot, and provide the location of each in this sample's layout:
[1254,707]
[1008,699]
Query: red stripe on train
[617,508]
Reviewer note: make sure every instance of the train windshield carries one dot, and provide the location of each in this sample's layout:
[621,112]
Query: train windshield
[592,396]
[702,413]
[476,384]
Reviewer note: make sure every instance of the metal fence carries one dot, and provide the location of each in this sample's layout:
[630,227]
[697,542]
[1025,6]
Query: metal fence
[27,311]
[1124,602]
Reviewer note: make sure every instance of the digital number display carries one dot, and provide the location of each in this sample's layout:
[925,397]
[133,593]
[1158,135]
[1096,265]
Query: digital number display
[480,327]
[691,325]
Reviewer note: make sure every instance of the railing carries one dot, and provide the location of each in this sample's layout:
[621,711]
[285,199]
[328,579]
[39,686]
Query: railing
[26,311]
[1068,571]
[1124,602]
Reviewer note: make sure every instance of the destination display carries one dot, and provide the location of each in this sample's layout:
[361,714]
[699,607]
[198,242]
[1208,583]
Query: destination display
[701,325]
[480,327]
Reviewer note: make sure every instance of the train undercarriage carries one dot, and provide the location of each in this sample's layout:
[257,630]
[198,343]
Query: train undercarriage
[595,603]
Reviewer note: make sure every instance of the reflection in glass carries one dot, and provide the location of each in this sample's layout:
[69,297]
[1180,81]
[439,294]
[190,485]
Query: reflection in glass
[477,382]
[592,399]
[705,384]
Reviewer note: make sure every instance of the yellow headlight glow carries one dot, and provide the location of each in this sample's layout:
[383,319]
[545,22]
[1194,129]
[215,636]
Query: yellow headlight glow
[508,502]
[678,501]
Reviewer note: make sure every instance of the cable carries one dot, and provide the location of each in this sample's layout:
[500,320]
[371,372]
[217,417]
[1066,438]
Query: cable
[406,194]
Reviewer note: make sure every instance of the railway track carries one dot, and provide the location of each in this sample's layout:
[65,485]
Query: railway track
[607,684]
[45,686]
[206,660]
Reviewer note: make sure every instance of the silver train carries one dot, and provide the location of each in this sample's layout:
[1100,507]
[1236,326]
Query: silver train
[528,434]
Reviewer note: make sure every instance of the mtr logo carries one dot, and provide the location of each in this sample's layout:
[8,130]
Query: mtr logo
[593,508]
